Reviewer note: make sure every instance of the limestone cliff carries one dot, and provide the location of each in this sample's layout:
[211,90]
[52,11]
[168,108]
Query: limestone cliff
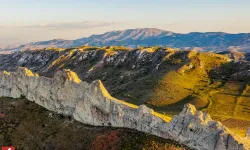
[91,104]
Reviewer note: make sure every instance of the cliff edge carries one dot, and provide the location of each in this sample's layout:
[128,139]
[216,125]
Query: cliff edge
[91,104]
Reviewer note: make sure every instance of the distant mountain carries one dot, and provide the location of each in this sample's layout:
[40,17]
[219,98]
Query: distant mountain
[216,41]
[59,43]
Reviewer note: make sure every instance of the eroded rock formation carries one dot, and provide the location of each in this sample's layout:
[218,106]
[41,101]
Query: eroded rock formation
[91,104]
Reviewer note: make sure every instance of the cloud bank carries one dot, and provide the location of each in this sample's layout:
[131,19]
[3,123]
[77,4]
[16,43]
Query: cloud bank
[66,25]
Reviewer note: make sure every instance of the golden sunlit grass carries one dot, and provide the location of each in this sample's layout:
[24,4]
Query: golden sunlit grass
[231,105]
[6,72]
[239,132]
[106,94]
[72,76]
[162,116]
[187,81]
[171,89]
[231,101]
[29,73]
[54,49]
[59,61]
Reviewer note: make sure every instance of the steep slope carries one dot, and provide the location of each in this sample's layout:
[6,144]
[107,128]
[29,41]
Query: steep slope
[210,41]
[91,104]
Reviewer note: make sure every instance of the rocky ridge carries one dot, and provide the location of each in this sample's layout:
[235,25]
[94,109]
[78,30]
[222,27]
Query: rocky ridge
[91,104]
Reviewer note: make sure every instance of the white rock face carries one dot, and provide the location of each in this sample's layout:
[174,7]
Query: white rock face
[91,104]
[248,133]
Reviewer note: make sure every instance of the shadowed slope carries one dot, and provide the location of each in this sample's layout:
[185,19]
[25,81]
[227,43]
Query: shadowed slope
[26,125]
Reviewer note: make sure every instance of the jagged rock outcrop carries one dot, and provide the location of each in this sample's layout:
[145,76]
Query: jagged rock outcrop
[91,104]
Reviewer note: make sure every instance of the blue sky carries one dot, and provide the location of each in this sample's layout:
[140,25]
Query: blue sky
[32,20]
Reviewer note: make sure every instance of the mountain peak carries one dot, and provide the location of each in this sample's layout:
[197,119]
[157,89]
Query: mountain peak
[132,34]
[216,41]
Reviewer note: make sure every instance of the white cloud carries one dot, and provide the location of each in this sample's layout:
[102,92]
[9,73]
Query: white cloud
[66,25]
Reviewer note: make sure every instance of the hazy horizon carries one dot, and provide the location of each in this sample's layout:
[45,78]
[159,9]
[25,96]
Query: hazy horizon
[28,21]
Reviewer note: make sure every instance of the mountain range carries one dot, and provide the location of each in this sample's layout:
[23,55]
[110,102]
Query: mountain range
[207,41]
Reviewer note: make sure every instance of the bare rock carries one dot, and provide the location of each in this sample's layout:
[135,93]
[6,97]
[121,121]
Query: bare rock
[248,133]
[91,104]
